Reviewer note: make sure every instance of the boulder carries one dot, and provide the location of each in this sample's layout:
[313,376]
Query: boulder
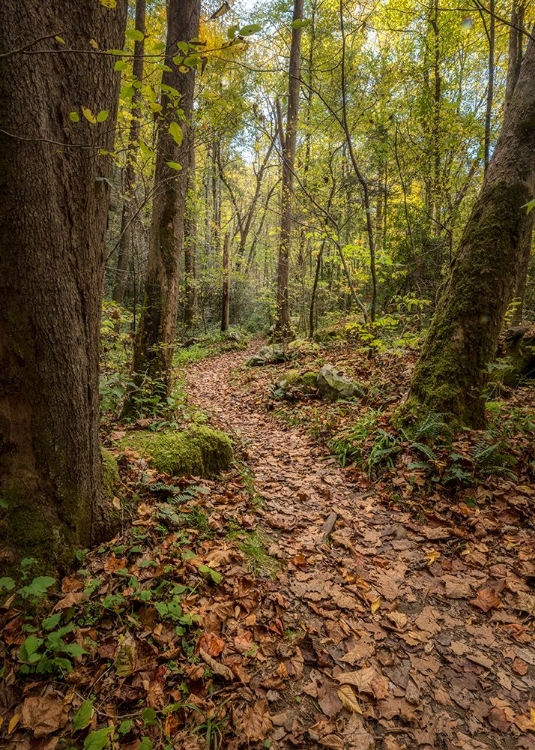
[199,450]
[520,350]
[268,355]
[293,385]
[332,385]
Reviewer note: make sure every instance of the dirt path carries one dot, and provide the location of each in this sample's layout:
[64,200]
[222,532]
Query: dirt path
[400,641]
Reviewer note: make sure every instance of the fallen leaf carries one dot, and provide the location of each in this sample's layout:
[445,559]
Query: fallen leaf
[256,721]
[43,715]
[486,600]
[332,741]
[498,719]
[216,667]
[349,699]
[361,679]
[525,603]
[212,644]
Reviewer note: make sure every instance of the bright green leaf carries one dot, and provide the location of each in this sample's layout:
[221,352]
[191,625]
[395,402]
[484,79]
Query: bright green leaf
[174,165]
[60,40]
[82,717]
[127,92]
[102,115]
[38,587]
[74,116]
[300,23]
[119,65]
[135,34]
[126,726]
[98,740]
[251,28]
[149,716]
[109,3]
[145,744]
[529,206]
[29,647]
[7,583]
[176,132]
[52,621]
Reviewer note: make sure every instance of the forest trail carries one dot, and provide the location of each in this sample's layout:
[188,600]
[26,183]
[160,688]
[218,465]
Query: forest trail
[392,639]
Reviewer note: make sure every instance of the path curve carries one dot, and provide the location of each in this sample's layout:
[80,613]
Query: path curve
[427,669]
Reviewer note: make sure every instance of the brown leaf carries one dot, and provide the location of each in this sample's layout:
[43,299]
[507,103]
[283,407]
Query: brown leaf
[442,697]
[328,699]
[43,715]
[363,650]
[212,644]
[525,603]
[456,588]
[519,667]
[333,741]
[71,600]
[361,679]
[485,600]
[256,721]
[498,719]
[349,699]
[216,667]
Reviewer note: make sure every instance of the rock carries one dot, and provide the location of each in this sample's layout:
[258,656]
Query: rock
[268,355]
[293,384]
[332,385]
[199,450]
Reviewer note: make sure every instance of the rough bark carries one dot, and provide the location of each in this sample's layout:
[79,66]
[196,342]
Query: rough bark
[463,335]
[53,211]
[129,182]
[225,301]
[282,324]
[153,352]
[190,245]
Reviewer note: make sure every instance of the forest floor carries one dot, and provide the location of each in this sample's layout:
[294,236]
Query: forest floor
[293,602]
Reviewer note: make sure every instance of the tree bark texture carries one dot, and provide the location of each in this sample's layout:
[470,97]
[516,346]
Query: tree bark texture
[53,211]
[225,299]
[190,246]
[153,351]
[129,182]
[282,324]
[463,335]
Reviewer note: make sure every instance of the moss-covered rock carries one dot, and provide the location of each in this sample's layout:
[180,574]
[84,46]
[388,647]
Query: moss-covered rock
[200,450]
[110,472]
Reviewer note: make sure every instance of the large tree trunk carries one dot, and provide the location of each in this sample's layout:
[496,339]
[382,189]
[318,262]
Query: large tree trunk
[462,338]
[129,183]
[190,247]
[225,297]
[155,338]
[282,324]
[53,211]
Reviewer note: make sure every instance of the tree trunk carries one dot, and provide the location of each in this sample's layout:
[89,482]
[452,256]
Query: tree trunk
[225,308]
[490,85]
[516,39]
[190,245]
[462,338]
[155,338]
[125,243]
[282,324]
[52,224]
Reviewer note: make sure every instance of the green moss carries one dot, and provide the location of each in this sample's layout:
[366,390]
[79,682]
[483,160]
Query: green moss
[110,472]
[200,450]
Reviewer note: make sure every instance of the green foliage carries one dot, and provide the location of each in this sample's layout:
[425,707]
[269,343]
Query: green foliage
[51,654]
[110,472]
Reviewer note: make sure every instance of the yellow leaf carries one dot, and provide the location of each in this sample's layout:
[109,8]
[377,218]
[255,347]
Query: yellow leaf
[349,699]
[375,605]
[13,723]
[93,43]
[89,115]
[532,715]
[432,555]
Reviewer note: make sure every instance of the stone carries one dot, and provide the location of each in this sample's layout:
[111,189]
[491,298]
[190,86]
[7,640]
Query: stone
[332,385]
[199,450]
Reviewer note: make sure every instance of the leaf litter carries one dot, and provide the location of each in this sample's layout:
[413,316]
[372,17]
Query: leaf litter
[378,620]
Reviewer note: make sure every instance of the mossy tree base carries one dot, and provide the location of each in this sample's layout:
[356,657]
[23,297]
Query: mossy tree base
[200,451]
[452,371]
